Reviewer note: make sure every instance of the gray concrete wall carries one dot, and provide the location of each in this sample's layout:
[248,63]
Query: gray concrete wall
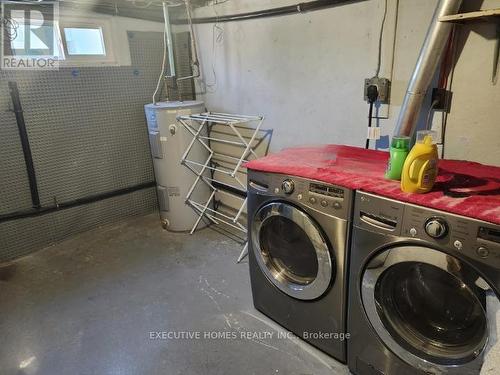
[305,72]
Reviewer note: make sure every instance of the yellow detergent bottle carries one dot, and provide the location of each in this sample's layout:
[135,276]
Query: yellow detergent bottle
[420,167]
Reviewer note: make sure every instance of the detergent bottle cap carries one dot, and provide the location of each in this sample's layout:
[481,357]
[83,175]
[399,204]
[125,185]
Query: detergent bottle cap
[427,137]
[401,142]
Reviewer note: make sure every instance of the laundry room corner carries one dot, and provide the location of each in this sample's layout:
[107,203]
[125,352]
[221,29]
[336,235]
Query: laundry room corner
[209,187]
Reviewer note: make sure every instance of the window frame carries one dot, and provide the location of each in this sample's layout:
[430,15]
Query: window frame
[107,31]
[77,55]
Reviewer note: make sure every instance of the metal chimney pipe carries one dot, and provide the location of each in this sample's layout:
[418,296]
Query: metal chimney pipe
[169,41]
[427,63]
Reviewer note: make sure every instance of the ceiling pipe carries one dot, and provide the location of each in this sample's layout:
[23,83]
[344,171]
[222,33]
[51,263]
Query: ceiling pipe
[273,12]
[427,64]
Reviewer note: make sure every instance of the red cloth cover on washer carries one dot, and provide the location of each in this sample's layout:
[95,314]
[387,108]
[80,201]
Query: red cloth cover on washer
[464,188]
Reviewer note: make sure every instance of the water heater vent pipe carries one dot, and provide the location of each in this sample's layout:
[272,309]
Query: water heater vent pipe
[169,42]
[427,64]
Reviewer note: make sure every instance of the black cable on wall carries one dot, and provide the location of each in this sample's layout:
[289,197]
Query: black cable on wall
[74,203]
[23,135]
[37,209]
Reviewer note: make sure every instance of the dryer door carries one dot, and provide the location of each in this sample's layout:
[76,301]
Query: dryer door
[292,251]
[428,307]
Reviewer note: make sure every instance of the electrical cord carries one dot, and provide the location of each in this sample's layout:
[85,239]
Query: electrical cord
[428,124]
[449,84]
[447,61]
[445,79]
[372,93]
[217,37]
[195,62]
[372,90]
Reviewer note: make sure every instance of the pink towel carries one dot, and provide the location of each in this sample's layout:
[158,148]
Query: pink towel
[462,187]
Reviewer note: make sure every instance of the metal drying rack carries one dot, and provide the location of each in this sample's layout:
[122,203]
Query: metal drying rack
[195,124]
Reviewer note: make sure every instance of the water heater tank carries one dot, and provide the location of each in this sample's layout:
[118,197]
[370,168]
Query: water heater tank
[169,140]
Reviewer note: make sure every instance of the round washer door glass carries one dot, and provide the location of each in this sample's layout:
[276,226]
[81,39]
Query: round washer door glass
[427,306]
[292,251]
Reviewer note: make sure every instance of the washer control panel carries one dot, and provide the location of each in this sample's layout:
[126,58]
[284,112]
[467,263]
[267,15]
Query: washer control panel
[475,239]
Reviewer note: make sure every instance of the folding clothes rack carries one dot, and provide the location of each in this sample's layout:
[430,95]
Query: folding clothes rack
[199,126]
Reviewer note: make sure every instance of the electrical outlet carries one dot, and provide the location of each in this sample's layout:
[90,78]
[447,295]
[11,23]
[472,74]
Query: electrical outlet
[383,87]
[441,98]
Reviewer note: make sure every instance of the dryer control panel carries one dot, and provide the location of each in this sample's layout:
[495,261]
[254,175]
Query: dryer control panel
[330,199]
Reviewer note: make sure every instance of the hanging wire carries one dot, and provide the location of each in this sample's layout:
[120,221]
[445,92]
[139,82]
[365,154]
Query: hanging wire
[380,40]
[195,62]
[217,38]
[447,62]
[449,83]
[428,123]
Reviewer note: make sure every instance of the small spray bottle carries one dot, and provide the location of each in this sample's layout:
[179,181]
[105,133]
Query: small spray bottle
[400,147]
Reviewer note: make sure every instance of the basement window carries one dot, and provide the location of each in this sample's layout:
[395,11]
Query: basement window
[87,41]
[84,41]
[79,41]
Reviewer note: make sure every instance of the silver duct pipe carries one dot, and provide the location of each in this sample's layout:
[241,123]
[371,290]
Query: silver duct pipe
[427,64]
[168,41]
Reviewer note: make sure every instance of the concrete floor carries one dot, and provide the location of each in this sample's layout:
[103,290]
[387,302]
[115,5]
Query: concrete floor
[90,304]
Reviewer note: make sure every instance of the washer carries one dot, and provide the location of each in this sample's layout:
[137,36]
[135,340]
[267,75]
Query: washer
[423,289]
[298,231]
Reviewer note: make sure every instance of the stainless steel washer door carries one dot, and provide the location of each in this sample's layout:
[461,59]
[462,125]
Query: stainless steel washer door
[292,251]
[429,308]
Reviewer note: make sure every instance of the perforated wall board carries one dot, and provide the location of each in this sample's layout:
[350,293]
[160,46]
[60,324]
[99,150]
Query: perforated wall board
[88,136]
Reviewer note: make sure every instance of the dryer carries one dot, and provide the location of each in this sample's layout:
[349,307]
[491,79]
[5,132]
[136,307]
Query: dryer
[422,284]
[298,231]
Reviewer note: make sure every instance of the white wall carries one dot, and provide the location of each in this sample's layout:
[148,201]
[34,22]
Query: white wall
[305,72]
[473,130]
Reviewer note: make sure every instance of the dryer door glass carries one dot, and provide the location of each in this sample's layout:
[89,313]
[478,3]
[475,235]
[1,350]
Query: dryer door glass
[289,249]
[292,250]
[428,305]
